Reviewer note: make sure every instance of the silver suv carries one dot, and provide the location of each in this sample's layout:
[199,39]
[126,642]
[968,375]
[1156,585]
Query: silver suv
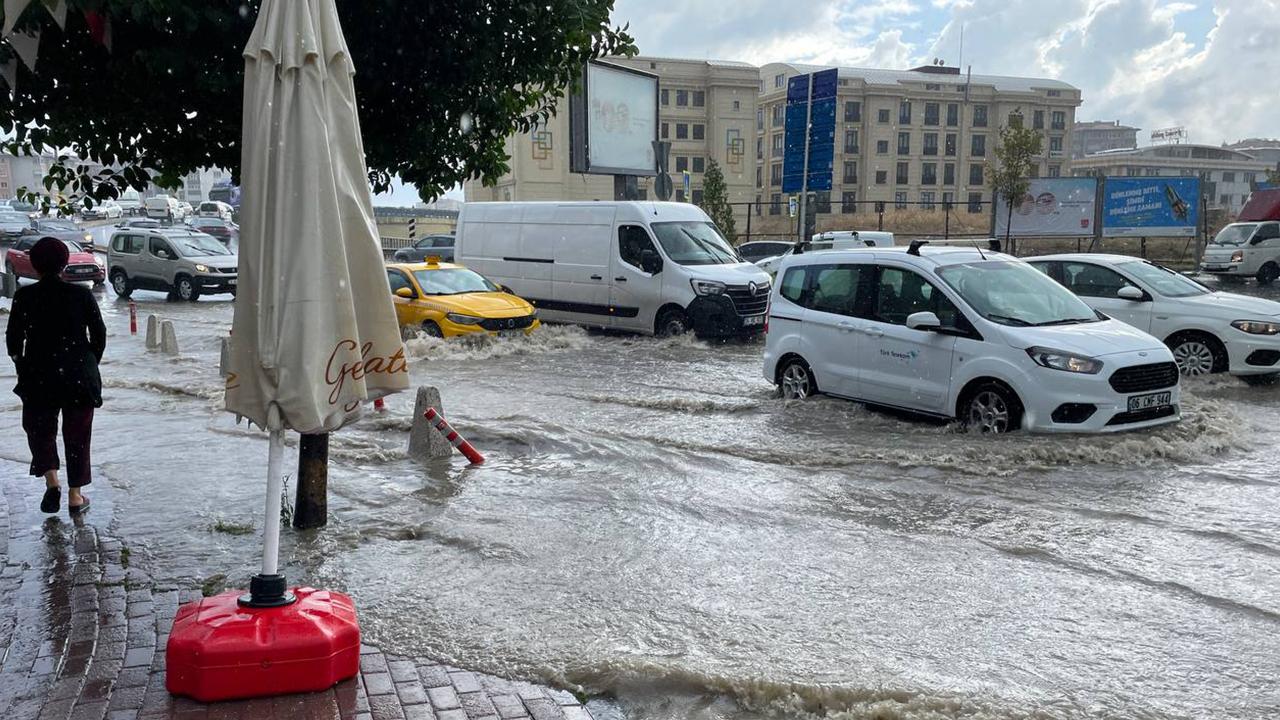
[183,263]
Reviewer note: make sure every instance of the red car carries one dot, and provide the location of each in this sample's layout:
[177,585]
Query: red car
[82,267]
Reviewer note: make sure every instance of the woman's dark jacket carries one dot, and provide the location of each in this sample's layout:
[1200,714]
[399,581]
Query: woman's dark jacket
[56,338]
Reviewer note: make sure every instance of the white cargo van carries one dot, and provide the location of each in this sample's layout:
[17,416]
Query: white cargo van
[646,267]
[163,207]
[832,240]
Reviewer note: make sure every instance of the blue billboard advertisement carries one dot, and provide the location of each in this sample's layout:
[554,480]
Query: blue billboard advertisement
[1150,207]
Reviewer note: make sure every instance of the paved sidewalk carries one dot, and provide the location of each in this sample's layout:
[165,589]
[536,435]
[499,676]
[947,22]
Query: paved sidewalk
[83,635]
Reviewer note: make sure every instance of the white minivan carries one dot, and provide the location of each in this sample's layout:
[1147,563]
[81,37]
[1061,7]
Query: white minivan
[833,240]
[163,207]
[647,267]
[962,333]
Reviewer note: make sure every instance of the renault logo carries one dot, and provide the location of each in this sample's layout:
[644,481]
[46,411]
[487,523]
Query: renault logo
[753,288]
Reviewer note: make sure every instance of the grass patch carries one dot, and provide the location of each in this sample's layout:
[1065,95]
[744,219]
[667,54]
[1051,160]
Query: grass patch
[213,585]
[232,528]
[124,557]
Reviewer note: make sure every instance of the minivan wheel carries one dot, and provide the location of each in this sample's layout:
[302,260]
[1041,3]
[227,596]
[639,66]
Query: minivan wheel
[1268,273]
[992,409]
[120,284]
[672,323]
[185,288]
[1197,354]
[796,381]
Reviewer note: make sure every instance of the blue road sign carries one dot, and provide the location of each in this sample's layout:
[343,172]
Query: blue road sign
[814,127]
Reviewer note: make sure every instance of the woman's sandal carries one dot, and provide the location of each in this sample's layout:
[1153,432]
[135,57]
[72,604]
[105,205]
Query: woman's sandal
[52,499]
[77,509]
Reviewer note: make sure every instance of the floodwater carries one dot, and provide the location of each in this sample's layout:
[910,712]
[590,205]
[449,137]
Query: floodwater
[654,528]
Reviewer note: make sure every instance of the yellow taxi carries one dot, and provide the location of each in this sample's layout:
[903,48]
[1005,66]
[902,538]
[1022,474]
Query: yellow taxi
[445,300]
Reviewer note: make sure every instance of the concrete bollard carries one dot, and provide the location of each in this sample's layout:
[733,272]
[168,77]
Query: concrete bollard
[224,358]
[425,442]
[153,332]
[8,284]
[168,338]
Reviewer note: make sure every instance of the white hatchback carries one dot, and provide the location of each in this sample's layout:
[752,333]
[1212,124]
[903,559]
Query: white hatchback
[962,333]
[1208,331]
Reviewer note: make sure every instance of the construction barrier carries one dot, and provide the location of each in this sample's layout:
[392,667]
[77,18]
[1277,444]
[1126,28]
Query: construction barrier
[453,437]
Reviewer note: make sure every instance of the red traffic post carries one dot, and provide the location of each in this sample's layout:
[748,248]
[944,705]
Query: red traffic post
[379,405]
[133,318]
[464,447]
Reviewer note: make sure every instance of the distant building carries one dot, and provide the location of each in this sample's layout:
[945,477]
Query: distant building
[1227,175]
[195,186]
[706,111]
[914,136]
[19,171]
[1088,138]
[1267,151]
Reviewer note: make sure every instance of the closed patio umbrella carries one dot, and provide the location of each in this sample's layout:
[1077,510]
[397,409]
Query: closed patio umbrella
[315,333]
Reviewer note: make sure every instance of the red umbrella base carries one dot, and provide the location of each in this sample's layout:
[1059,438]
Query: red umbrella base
[219,650]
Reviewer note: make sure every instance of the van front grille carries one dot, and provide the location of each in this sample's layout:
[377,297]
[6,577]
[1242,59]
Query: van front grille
[1141,378]
[747,303]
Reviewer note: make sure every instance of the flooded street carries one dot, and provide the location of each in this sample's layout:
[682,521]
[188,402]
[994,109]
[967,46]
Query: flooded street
[653,526]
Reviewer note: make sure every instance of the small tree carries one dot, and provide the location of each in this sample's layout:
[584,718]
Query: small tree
[1018,145]
[715,201]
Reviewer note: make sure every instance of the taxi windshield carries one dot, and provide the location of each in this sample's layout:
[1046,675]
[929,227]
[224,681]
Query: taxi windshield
[453,281]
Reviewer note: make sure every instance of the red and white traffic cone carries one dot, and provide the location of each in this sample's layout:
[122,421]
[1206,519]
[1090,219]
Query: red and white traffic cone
[453,437]
[133,318]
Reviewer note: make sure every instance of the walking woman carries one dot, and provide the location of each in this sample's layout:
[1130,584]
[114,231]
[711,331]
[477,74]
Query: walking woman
[56,339]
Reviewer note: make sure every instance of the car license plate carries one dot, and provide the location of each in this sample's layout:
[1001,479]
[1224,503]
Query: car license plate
[753,320]
[1147,402]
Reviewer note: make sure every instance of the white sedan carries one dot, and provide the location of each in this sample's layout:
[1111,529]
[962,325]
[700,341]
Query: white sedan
[1208,331]
[105,210]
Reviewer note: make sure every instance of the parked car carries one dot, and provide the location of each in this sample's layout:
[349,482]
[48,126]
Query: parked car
[215,209]
[131,203]
[645,267]
[758,250]
[13,225]
[840,240]
[82,265]
[439,246]
[221,229]
[1208,331]
[183,263]
[445,300]
[105,210]
[163,207]
[139,222]
[187,210]
[61,229]
[961,333]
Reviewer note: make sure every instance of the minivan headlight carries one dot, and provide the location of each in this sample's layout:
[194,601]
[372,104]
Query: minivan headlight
[202,268]
[707,287]
[1064,361]
[463,319]
[1257,327]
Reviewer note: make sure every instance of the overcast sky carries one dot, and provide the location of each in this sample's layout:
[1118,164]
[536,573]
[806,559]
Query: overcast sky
[1212,66]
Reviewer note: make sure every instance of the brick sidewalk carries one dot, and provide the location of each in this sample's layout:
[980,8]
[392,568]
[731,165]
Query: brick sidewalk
[84,632]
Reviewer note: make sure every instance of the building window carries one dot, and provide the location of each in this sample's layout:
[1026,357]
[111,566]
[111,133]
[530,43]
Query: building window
[951,145]
[699,131]
[849,202]
[904,112]
[1059,120]
[953,115]
[779,115]
[947,198]
[682,131]
[759,177]
[697,197]
[931,143]
[929,173]
[975,202]
[904,143]
[1250,178]
[1055,144]
[949,174]
[666,131]
[931,114]
[851,142]
[978,148]
[901,177]
[699,98]
[759,209]
[852,111]
[882,177]
[1228,177]
[975,174]
[883,116]
[926,200]
[775,204]
[900,201]
[759,148]
[775,175]
[882,147]
[682,98]
[1133,172]
[1055,171]
[699,164]
[850,173]
[822,202]
[680,195]
[1037,120]
[682,163]
[1035,170]
[980,116]
[760,119]
[778,145]
[737,105]
[779,80]
[1224,200]
[666,96]
[1054,93]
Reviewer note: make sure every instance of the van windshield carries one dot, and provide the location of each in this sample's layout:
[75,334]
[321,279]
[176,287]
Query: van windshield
[694,243]
[197,245]
[1014,293]
[1235,234]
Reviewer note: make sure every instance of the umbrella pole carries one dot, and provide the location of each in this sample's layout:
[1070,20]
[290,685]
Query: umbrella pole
[269,589]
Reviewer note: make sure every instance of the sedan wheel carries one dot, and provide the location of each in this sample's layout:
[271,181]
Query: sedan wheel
[1194,358]
[989,413]
[797,381]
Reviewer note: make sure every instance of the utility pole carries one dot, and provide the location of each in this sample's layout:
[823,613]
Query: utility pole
[311,504]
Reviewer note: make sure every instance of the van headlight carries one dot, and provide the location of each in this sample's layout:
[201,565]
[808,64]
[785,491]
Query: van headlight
[1237,256]
[463,319]
[1064,361]
[707,287]
[1257,327]
[202,268]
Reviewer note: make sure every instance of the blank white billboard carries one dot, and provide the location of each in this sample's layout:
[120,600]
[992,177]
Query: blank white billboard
[622,120]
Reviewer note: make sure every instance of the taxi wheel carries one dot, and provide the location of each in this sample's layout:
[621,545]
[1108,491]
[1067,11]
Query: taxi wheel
[432,329]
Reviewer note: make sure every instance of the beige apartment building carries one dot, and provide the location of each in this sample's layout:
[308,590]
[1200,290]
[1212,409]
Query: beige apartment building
[912,138]
[707,110]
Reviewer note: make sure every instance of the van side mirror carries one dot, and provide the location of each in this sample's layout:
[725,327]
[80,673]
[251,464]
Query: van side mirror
[405,293]
[926,321]
[1129,292]
[650,261]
